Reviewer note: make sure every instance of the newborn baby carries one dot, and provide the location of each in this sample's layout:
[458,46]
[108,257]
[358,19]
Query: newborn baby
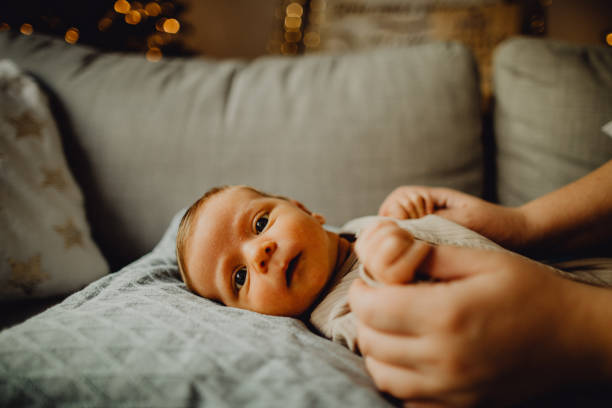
[269,254]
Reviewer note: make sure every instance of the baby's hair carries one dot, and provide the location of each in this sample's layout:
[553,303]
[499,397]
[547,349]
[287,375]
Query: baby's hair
[184,229]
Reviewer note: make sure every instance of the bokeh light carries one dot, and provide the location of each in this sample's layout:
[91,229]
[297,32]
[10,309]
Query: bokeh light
[171,26]
[26,29]
[293,22]
[72,35]
[153,54]
[122,6]
[312,39]
[152,9]
[294,10]
[133,17]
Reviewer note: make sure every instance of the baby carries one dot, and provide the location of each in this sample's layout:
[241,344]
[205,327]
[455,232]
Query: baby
[269,254]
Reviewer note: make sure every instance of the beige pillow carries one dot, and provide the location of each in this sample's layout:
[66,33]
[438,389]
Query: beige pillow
[45,244]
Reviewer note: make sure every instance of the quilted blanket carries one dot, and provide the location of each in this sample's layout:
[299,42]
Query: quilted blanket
[137,337]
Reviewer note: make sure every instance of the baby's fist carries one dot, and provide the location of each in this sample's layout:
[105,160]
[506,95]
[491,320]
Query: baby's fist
[389,253]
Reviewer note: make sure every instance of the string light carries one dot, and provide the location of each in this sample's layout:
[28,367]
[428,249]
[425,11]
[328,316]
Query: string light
[26,29]
[152,9]
[122,6]
[294,10]
[133,17]
[158,29]
[609,39]
[316,17]
[154,54]
[312,39]
[171,26]
[72,35]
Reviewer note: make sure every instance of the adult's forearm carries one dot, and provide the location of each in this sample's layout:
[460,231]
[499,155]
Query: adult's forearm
[573,218]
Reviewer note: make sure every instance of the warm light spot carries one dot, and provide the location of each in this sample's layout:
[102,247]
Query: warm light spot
[294,10]
[72,35]
[122,6]
[104,24]
[609,39]
[154,54]
[293,22]
[26,29]
[293,36]
[312,39]
[152,9]
[289,48]
[172,26]
[133,17]
[4,27]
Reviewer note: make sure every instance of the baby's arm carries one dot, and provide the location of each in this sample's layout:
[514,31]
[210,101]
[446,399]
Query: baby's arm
[390,253]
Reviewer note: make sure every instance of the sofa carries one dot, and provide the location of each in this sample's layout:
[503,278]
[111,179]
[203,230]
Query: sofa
[142,140]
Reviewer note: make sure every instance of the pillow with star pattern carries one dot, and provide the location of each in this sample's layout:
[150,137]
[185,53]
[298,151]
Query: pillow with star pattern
[45,244]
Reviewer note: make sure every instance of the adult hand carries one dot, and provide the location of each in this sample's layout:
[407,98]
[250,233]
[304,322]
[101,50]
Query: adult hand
[498,328]
[504,225]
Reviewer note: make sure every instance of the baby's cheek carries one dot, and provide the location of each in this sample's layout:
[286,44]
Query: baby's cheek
[273,301]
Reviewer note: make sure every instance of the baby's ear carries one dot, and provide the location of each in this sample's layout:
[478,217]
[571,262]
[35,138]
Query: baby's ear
[302,207]
[319,217]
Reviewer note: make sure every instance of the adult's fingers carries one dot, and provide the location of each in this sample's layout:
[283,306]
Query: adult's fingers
[405,351]
[400,309]
[401,382]
[448,263]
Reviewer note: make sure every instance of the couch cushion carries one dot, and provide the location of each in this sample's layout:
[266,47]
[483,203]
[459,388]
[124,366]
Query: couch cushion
[552,100]
[45,245]
[337,132]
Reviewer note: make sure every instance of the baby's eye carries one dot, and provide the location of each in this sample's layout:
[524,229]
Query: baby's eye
[240,278]
[261,223]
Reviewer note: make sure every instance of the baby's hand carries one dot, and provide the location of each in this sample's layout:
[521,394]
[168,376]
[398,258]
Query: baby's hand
[408,202]
[389,253]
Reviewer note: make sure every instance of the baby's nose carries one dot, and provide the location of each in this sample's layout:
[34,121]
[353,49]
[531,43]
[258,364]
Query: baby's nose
[264,254]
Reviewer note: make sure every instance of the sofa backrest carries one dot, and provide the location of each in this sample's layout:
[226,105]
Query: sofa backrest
[337,132]
[551,101]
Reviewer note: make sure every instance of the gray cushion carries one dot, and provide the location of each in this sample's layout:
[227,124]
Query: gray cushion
[139,338]
[551,101]
[337,132]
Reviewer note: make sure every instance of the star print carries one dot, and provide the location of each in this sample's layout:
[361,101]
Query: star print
[26,125]
[71,234]
[26,275]
[54,178]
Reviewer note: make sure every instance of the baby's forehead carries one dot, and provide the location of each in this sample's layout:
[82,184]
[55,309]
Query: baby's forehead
[220,211]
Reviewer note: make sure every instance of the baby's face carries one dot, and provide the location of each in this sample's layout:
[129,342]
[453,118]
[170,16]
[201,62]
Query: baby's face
[259,253]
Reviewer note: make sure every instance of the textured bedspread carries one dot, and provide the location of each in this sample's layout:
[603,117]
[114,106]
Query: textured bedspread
[138,338]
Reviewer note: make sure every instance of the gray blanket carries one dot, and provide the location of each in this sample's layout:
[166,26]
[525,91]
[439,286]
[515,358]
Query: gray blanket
[139,338]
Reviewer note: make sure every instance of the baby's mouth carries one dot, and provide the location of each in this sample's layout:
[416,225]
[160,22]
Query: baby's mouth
[291,268]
